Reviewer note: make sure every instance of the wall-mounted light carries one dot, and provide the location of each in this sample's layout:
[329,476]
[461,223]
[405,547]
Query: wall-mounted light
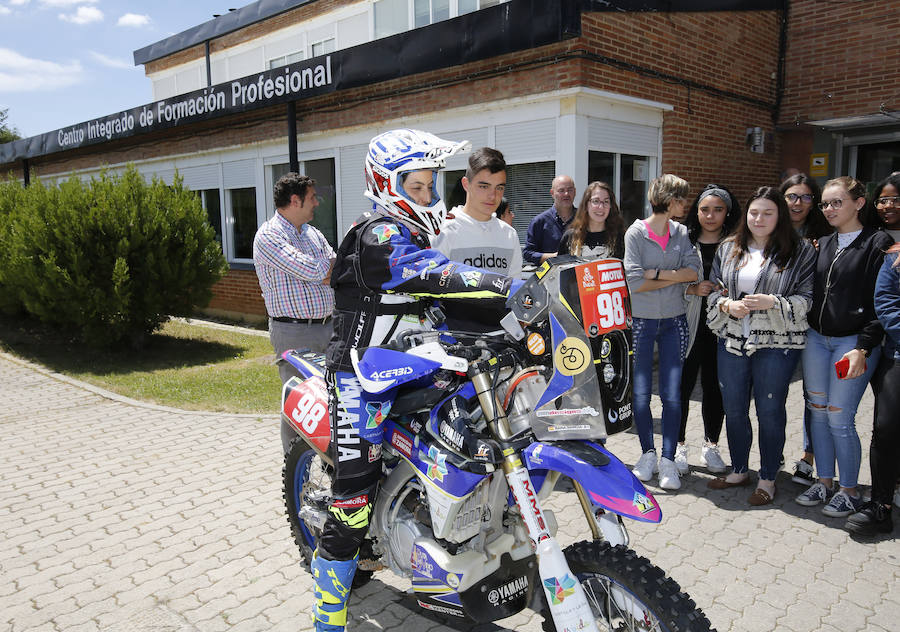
[756,140]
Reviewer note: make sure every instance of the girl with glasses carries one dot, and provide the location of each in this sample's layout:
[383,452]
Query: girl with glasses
[802,195]
[886,200]
[597,232]
[844,342]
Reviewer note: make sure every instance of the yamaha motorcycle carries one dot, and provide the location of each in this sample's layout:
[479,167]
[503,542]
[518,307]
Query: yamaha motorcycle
[479,430]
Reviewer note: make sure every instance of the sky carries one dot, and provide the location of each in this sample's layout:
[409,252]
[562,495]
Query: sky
[68,61]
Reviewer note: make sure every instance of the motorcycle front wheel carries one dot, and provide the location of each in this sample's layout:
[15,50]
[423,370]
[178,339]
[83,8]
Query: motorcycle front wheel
[627,592]
[307,483]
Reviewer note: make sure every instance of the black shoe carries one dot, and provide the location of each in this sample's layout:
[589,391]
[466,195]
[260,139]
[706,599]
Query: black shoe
[872,518]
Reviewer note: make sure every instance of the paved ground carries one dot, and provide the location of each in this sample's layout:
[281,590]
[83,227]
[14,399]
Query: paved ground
[122,517]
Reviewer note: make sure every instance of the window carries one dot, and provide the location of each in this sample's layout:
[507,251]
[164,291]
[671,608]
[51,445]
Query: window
[322,171]
[210,200]
[243,224]
[430,11]
[630,184]
[322,48]
[391,17]
[284,60]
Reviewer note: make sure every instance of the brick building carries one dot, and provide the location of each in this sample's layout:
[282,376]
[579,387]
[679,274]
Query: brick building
[729,91]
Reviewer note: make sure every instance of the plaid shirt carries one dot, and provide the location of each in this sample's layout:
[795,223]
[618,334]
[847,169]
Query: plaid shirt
[290,265]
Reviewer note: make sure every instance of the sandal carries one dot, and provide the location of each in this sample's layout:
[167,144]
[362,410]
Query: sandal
[720,482]
[760,497]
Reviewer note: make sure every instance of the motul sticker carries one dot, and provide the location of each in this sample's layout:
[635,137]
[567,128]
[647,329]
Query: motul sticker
[536,344]
[604,296]
[306,407]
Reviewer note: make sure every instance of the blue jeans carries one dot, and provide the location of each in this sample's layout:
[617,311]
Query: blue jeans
[833,423]
[671,335]
[767,372]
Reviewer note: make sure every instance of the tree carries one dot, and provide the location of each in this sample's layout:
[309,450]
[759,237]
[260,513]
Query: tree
[7,133]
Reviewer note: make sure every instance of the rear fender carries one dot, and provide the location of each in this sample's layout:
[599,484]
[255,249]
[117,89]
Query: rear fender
[608,482]
[304,406]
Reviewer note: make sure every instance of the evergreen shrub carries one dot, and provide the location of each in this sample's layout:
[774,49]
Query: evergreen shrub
[110,259]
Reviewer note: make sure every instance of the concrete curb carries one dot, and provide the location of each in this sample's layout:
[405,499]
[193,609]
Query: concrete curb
[123,399]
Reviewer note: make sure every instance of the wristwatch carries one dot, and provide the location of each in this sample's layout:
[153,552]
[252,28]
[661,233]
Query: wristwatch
[865,352]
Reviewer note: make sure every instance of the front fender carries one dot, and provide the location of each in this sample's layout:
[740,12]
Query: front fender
[608,482]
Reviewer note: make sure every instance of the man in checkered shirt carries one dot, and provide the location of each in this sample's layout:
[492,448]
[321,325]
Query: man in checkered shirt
[293,262]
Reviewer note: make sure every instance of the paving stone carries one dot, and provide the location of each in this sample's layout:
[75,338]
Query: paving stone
[172,520]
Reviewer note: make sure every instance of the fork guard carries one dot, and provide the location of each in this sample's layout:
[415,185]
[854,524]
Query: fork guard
[609,483]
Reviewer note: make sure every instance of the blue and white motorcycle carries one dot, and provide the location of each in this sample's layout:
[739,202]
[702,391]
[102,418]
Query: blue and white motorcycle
[480,431]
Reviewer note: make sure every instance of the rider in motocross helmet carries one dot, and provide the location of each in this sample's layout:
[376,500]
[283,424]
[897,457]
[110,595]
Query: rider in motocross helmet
[385,279]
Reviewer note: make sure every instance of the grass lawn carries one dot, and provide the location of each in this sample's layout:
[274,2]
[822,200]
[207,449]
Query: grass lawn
[183,365]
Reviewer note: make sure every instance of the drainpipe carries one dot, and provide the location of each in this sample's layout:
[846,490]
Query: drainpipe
[208,66]
[26,175]
[292,136]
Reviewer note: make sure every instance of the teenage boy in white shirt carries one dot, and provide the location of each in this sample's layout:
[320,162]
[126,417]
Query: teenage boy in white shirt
[473,235]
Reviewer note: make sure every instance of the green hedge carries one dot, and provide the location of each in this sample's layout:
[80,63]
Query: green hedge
[108,259]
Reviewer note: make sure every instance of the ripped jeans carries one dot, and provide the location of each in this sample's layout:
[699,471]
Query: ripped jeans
[832,405]
[768,373]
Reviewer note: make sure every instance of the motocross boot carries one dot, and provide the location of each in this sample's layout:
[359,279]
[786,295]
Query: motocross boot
[333,581]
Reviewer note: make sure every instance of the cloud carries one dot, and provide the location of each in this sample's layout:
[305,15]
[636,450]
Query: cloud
[24,74]
[133,19]
[111,62]
[64,3]
[84,15]
[16,3]
[5,10]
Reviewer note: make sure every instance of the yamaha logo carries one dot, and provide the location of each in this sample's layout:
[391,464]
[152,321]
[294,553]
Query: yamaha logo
[508,591]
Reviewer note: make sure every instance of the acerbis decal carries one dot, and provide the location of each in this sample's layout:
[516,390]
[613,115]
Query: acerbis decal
[387,374]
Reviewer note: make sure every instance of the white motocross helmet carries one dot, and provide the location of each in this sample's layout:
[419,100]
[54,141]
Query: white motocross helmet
[400,151]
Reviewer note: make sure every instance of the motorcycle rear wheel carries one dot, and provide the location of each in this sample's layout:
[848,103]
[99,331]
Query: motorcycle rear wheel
[305,477]
[627,592]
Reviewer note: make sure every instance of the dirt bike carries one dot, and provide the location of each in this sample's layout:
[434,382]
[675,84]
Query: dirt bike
[479,431]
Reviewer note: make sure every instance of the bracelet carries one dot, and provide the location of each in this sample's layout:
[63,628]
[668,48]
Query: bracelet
[656,278]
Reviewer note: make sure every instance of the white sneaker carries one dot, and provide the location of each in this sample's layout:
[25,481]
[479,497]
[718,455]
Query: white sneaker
[668,474]
[709,455]
[646,467]
[681,459]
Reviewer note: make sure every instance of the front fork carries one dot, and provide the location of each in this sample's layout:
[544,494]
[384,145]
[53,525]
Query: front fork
[568,604]
[565,597]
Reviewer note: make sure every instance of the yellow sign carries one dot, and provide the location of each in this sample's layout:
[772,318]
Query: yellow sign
[818,165]
[572,356]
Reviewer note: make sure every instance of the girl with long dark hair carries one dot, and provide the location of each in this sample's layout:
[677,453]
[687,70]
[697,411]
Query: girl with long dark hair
[711,218]
[765,278]
[598,230]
